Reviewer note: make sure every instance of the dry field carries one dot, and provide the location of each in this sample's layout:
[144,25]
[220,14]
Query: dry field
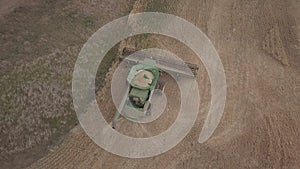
[258,43]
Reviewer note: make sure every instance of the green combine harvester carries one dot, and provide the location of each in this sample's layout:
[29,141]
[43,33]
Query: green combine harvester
[143,78]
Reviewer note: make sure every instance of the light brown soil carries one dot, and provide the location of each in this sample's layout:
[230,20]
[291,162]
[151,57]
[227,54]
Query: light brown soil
[259,45]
